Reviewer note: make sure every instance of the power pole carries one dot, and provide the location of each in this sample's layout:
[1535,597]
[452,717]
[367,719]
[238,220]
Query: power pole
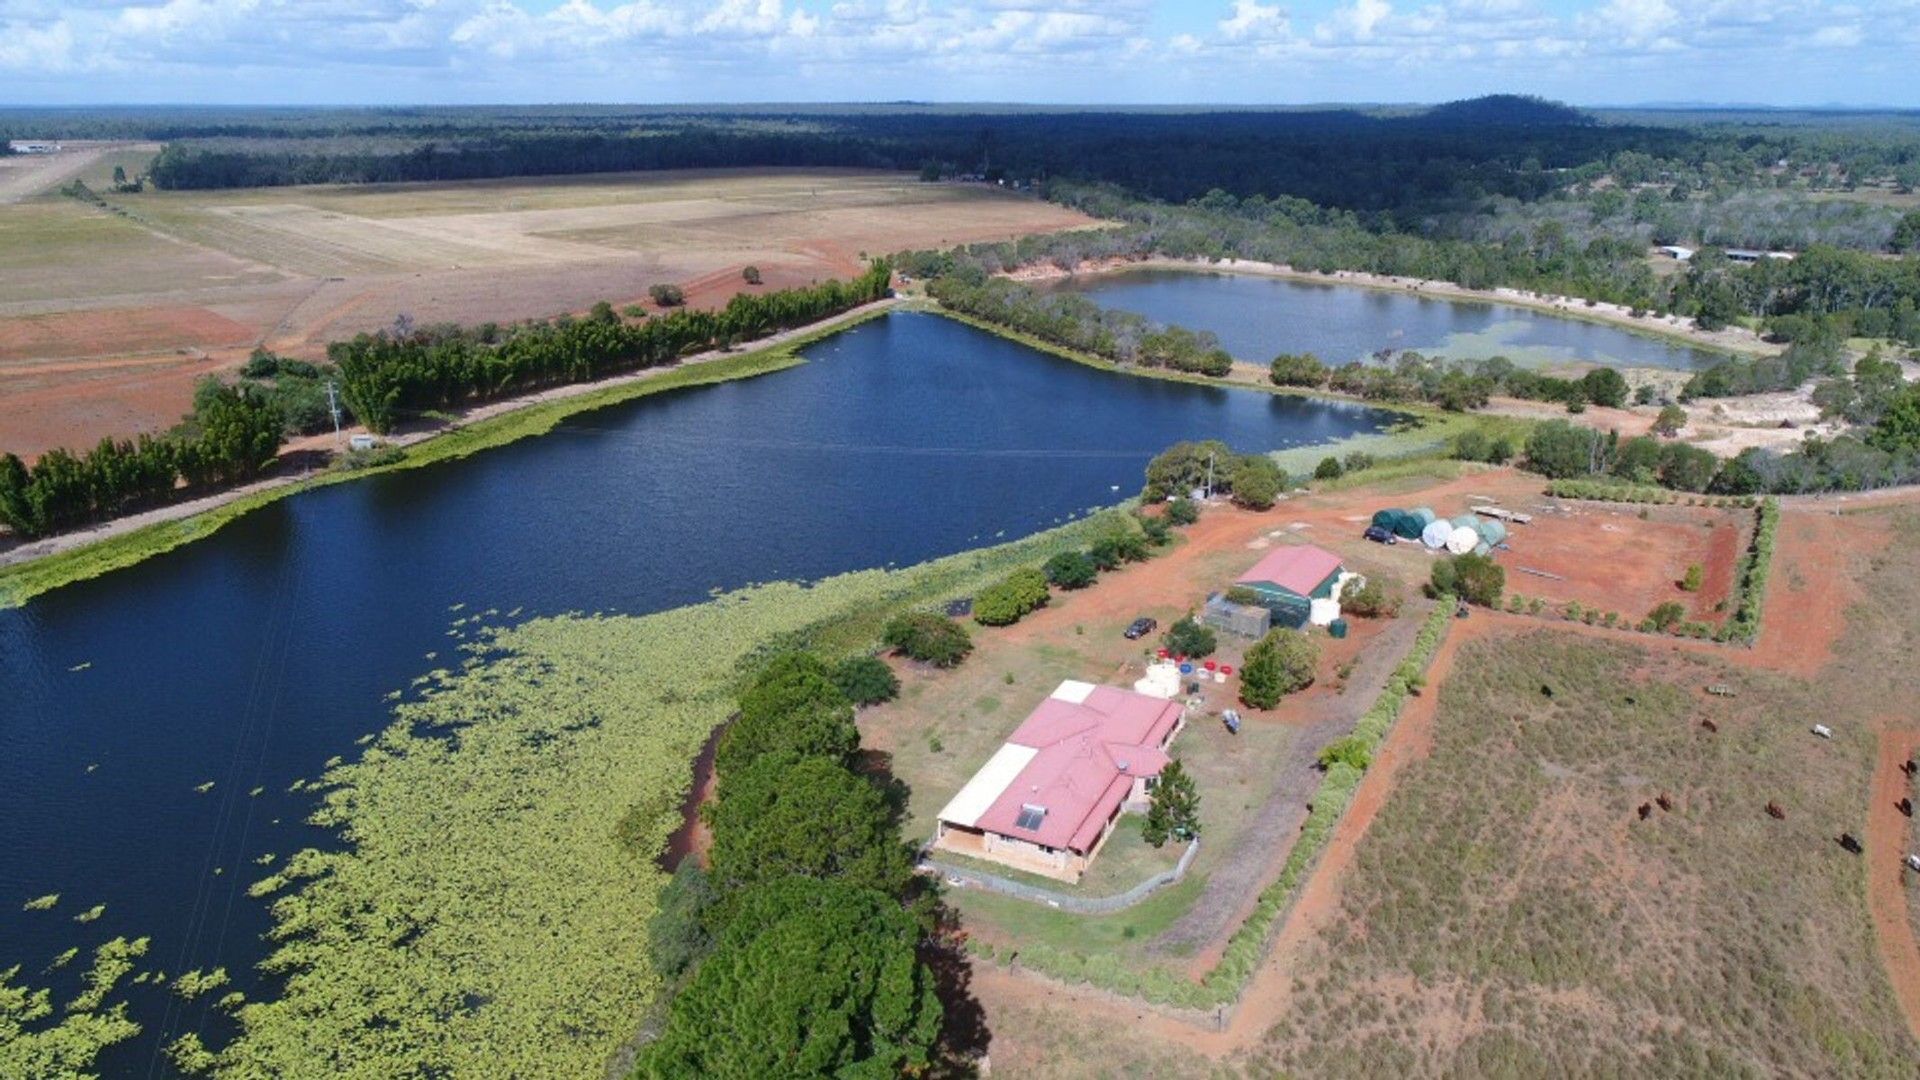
[1209,474]
[333,406]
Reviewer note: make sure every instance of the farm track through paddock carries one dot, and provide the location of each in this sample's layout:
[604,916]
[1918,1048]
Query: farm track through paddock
[208,275]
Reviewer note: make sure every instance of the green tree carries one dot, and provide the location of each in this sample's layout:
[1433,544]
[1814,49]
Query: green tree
[1671,419]
[1604,386]
[1257,482]
[1189,637]
[784,814]
[792,706]
[1372,600]
[677,934]
[1072,570]
[1666,615]
[1899,426]
[1558,450]
[1277,665]
[1184,467]
[815,978]
[1693,578]
[667,295]
[1183,511]
[1477,579]
[1012,599]
[1297,369]
[1350,750]
[233,433]
[1906,232]
[1174,809]
[866,680]
[1328,469]
[750,275]
[928,638]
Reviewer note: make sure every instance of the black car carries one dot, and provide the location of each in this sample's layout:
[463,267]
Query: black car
[1380,534]
[1141,627]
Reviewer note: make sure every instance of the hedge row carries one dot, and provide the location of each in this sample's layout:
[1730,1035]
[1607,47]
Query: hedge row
[1642,494]
[1750,577]
[1248,944]
[1575,611]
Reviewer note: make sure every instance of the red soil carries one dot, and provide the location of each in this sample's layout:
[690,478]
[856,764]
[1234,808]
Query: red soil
[71,334]
[1614,561]
[1887,876]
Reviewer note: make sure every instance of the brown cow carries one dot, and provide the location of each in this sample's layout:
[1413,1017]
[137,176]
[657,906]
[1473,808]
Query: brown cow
[1710,725]
[1665,802]
[1847,841]
[1646,811]
[1906,806]
[1774,811]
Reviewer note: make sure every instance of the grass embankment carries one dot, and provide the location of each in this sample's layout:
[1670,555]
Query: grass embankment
[1248,944]
[1511,895]
[488,913]
[24,581]
[1423,432]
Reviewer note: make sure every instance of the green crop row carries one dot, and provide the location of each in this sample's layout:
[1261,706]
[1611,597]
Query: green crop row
[1643,494]
[1750,577]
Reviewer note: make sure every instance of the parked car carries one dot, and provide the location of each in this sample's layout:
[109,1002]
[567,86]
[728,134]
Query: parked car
[1141,627]
[1380,534]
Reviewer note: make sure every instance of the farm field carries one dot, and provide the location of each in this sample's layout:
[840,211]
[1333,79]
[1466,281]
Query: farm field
[1494,905]
[140,303]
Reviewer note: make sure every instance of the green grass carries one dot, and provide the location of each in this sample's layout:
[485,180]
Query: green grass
[24,581]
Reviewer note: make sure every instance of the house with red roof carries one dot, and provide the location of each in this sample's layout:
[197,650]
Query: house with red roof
[1048,798]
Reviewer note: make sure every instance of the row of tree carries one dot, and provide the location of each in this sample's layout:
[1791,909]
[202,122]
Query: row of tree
[1457,386]
[232,434]
[1074,322]
[804,948]
[389,376]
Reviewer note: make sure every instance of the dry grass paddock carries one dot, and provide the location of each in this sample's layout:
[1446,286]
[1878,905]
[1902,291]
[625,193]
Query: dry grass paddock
[139,302]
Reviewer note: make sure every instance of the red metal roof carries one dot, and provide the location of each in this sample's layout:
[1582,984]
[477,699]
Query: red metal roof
[1298,568]
[1088,754]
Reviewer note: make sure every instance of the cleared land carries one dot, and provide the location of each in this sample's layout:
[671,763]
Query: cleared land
[1492,904]
[138,303]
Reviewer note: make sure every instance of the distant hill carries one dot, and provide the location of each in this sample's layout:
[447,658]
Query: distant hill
[1505,110]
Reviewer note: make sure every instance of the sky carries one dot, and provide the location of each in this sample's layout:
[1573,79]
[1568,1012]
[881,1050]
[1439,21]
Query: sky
[1097,52]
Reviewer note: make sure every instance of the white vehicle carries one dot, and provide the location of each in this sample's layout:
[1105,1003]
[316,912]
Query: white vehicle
[1823,731]
[1913,862]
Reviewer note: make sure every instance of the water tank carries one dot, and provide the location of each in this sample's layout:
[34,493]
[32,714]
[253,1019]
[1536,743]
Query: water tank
[1463,540]
[1435,535]
[1407,525]
[1491,531]
[1426,515]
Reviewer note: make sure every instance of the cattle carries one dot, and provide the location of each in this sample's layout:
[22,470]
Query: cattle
[1905,806]
[1710,725]
[1847,841]
[1665,802]
[1910,767]
[1774,811]
[1646,811]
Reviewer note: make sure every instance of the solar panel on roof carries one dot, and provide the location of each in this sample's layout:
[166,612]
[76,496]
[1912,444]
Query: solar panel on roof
[1030,817]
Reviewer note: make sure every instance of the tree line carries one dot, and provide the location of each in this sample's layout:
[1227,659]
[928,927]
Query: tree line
[1457,385]
[386,377]
[804,948]
[232,434]
[1075,322]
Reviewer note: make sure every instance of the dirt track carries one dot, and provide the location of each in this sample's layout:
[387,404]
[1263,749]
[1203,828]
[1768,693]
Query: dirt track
[1887,878]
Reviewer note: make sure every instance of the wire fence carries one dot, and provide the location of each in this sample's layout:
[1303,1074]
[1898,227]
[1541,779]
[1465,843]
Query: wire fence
[967,877]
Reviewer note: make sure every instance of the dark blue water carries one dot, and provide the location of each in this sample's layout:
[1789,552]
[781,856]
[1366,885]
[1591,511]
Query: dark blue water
[252,657]
[1258,317]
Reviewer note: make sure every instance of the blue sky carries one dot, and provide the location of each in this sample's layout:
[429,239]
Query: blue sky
[1593,52]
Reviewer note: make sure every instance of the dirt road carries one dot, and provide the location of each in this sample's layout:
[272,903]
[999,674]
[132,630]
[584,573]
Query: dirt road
[1887,878]
[26,175]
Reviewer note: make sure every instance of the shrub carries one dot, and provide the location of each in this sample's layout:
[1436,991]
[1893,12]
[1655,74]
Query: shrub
[1156,531]
[1693,578]
[1241,594]
[1189,637]
[1183,511]
[1277,665]
[1372,601]
[1071,570]
[866,680]
[1257,482]
[750,275]
[1010,601]
[667,295]
[1328,469]
[928,638]
[1358,461]
[1352,751]
[1477,579]
[1109,552]
[1666,616]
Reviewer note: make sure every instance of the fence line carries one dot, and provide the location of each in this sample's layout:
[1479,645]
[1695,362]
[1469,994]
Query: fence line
[1083,905]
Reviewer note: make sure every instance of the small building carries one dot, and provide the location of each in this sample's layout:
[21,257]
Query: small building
[1047,800]
[1298,584]
[1244,620]
[1675,252]
[362,442]
[1749,256]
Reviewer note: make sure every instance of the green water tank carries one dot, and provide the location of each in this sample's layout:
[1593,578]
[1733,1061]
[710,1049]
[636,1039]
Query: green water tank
[1338,628]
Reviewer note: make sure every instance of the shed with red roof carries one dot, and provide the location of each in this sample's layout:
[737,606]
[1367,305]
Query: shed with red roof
[1048,798]
[1290,578]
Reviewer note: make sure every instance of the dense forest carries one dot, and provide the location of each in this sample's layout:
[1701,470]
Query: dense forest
[1447,168]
